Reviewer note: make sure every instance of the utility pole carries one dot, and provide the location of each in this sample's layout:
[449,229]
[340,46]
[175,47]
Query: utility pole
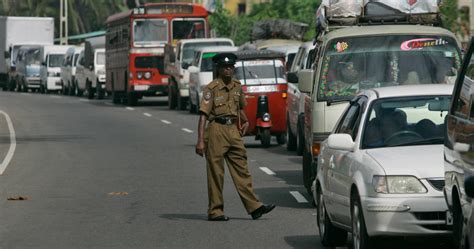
[63,34]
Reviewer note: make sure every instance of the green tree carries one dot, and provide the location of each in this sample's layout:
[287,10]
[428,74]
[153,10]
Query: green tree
[450,15]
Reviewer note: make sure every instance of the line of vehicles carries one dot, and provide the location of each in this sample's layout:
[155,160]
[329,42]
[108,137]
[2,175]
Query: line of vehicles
[368,103]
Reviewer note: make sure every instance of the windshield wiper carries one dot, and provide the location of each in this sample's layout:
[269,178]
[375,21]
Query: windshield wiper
[434,140]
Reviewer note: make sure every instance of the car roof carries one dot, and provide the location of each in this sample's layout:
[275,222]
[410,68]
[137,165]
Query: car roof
[286,49]
[204,40]
[217,49]
[409,90]
[381,30]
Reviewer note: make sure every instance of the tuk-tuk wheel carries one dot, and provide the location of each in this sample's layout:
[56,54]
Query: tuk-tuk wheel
[281,138]
[265,138]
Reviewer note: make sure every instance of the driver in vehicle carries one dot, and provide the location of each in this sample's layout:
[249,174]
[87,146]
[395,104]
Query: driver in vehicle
[347,75]
[392,123]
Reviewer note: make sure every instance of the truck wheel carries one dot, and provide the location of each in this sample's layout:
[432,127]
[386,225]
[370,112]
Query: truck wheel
[71,89]
[171,96]
[90,91]
[300,134]
[307,176]
[265,137]
[281,138]
[291,144]
[182,102]
[78,92]
[100,91]
[116,97]
[132,99]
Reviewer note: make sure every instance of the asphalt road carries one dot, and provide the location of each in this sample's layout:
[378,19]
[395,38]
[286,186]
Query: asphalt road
[97,175]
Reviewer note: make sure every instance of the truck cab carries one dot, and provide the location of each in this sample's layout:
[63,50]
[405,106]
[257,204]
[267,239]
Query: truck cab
[379,47]
[90,74]
[50,71]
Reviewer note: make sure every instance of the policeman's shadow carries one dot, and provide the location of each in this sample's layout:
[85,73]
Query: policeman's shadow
[201,217]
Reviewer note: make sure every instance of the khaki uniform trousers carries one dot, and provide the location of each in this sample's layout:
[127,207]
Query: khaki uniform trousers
[225,143]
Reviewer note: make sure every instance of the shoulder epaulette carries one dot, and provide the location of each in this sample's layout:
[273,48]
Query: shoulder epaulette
[213,84]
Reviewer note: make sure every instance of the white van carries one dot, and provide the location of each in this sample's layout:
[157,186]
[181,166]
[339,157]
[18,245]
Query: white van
[68,70]
[50,72]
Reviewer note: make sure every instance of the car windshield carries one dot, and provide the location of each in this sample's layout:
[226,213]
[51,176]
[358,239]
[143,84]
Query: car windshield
[406,121]
[260,72]
[100,58]
[189,50]
[55,60]
[354,64]
[149,32]
[188,29]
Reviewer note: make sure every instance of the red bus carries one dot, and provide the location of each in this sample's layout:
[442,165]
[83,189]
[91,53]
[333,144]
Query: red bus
[135,42]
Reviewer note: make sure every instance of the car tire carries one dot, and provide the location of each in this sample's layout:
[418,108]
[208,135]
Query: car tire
[360,238]
[265,137]
[458,225]
[300,134]
[182,102]
[330,235]
[292,140]
[100,91]
[78,92]
[90,91]
[132,99]
[171,96]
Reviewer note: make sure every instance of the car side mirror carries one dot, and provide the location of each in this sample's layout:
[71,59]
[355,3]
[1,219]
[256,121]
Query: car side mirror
[341,142]
[469,186]
[292,77]
[461,147]
[193,69]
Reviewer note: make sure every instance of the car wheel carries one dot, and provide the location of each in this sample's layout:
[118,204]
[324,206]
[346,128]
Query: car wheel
[171,97]
[360,238]
[132,99]
[182,102]
[330,235]
[79,92]
[90,91]
[265,137]
[100,91]
[292,141]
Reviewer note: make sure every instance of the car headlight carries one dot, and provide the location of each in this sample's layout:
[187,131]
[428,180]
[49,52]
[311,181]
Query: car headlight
[147,75]
[398,185]
[139,75]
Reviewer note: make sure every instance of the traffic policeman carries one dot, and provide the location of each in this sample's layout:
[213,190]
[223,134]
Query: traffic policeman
[221,140]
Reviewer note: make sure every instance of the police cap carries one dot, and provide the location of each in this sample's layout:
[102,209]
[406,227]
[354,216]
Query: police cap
[224,59]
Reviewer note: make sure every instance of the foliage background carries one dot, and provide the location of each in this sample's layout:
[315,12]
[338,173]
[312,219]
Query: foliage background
[90,15]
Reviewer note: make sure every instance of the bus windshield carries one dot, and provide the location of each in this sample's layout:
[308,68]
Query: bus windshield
[260,72]
[147,32]
[357,63]
[188,29]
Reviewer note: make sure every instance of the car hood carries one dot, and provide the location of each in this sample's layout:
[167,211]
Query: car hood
[422,161]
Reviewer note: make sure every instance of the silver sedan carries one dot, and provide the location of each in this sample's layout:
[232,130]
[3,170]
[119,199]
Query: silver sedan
[381,172]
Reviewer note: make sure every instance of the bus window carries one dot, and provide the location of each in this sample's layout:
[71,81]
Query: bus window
[188,29]
[149,31]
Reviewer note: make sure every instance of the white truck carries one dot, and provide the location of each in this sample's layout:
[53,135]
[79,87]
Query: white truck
[50,72]
[90,74]
[18,31]
[177,61]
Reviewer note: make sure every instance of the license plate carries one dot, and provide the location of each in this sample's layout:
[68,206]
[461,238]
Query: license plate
[449,218]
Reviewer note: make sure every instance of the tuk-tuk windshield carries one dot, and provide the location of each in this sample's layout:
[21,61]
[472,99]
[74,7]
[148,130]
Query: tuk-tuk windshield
[357,63]
[260,72]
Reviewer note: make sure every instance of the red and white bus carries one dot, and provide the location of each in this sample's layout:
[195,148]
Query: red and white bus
[135,42]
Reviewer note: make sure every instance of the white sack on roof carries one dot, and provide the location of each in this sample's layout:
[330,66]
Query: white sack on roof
[343,8]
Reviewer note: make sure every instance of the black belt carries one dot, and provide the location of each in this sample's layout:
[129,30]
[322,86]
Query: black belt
[225,120]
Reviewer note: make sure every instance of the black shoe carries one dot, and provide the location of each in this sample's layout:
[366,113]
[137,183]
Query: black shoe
[219,218]
[262,210]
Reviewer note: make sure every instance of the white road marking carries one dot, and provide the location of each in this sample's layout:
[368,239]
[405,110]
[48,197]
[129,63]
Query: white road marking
[12,148]
[267,170]
[187,130]
[166,121]
[147,114]
[298,196]
[130,108]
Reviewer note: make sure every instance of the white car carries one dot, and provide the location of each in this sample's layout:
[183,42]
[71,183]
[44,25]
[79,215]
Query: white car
[201,73]
[381,173]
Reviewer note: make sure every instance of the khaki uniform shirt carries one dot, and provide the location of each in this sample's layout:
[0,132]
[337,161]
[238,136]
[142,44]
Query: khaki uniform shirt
[220,100]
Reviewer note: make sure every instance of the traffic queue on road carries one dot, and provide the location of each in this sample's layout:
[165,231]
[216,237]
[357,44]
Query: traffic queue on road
[380,105]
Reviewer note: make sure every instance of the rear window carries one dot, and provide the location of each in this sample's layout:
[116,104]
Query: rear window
[150,62]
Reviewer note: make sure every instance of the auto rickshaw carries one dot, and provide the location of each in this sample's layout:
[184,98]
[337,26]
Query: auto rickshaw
[262,75]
